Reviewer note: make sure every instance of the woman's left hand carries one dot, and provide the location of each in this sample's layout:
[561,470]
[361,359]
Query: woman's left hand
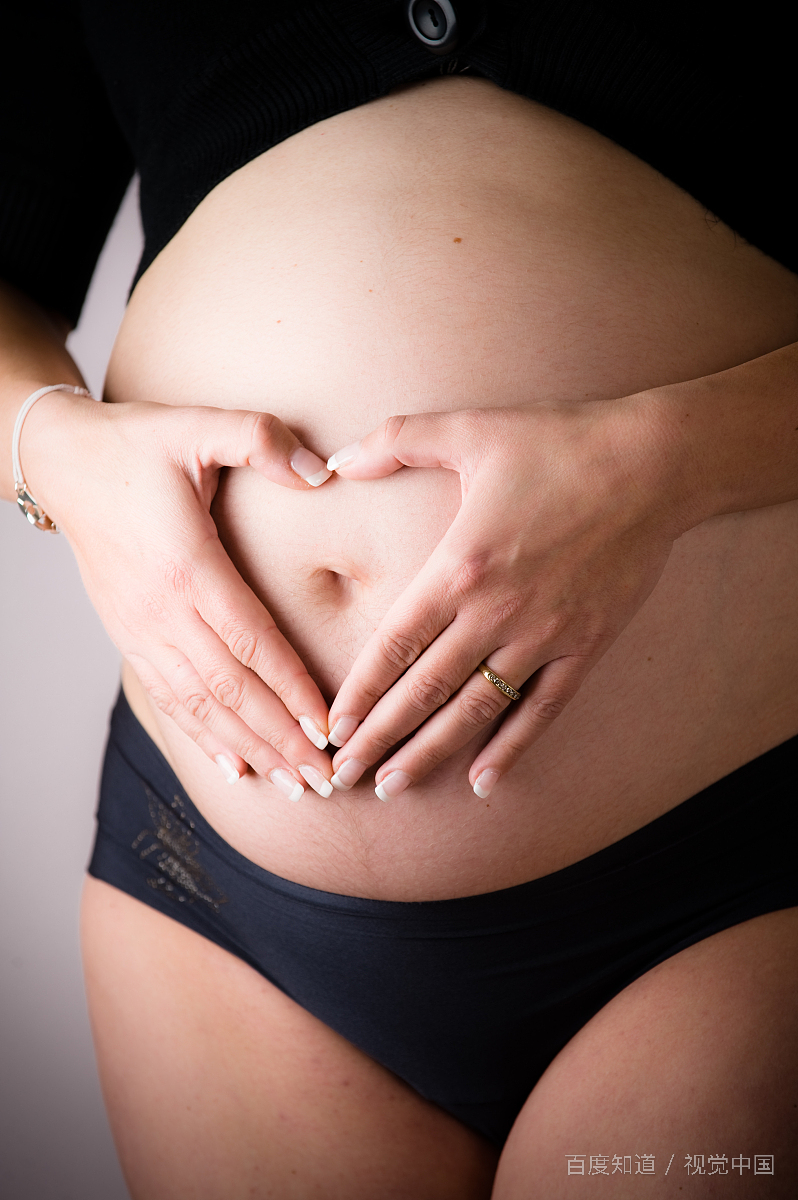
[568,515]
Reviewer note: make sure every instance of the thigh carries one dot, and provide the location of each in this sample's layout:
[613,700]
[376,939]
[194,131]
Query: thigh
[699,1057]
[219,1086]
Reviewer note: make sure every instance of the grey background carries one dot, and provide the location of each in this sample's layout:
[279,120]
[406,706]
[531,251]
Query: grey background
[58,676]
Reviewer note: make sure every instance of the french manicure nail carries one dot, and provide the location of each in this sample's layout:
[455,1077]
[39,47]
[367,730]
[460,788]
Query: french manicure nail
[348,774]
[316,780]
[393,785]
[342,730]
[342,458]
[313,733]
[309,466]
[486,782]
[285,783]
[226,767]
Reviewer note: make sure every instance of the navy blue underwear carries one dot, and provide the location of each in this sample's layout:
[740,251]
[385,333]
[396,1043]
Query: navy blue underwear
[468,1000]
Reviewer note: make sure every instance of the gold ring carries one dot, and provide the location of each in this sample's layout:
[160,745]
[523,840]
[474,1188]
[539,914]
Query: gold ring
[498,682]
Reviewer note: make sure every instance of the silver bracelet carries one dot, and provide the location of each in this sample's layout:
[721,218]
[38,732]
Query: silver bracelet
[33,511]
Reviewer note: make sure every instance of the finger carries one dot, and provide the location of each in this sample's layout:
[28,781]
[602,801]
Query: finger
[451,580]
[423,611]
[471,711]
[234,438]
[278,732]
[280,735]
[231,765]
[419,440]
[469,714]
[425,689]
[552,688]
[236,615]
[213,672]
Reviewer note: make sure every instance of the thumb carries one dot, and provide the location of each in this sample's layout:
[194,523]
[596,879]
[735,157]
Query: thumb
[232,438]
[420,440]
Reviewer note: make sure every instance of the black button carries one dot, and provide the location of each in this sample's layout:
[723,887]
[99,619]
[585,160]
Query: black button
[434,23]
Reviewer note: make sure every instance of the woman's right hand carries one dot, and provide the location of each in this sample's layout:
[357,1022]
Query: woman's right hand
[131,486]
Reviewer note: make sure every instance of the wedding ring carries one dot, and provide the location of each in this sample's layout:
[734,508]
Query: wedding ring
[498,682]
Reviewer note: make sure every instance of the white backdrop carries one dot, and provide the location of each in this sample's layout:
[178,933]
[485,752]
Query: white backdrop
[58,676]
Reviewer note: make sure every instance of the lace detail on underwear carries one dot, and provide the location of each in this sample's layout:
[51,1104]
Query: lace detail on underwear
[173,850]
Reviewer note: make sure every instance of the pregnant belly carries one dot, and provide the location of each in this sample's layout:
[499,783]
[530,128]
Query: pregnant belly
[450,246]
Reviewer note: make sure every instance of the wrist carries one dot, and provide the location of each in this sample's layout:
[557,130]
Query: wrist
[730,440]
[46,444]
[671,457]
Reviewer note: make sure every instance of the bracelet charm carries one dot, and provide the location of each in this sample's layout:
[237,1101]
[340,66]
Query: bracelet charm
[34,513]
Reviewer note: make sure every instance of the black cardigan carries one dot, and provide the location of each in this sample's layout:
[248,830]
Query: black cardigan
[187,91]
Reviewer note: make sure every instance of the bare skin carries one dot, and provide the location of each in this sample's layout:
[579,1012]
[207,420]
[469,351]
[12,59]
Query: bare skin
[581,276]
[701,1052]
[708,1021]
[237,1091]
[584,276]
[219,1085]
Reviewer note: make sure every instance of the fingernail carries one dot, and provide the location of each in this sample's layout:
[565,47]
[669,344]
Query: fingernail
[342,730]
[309,466]
[485,783]
[285,783]
[316,781]
[227,768]
[342,458]
[313,733]
[393,785]
[348,774]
